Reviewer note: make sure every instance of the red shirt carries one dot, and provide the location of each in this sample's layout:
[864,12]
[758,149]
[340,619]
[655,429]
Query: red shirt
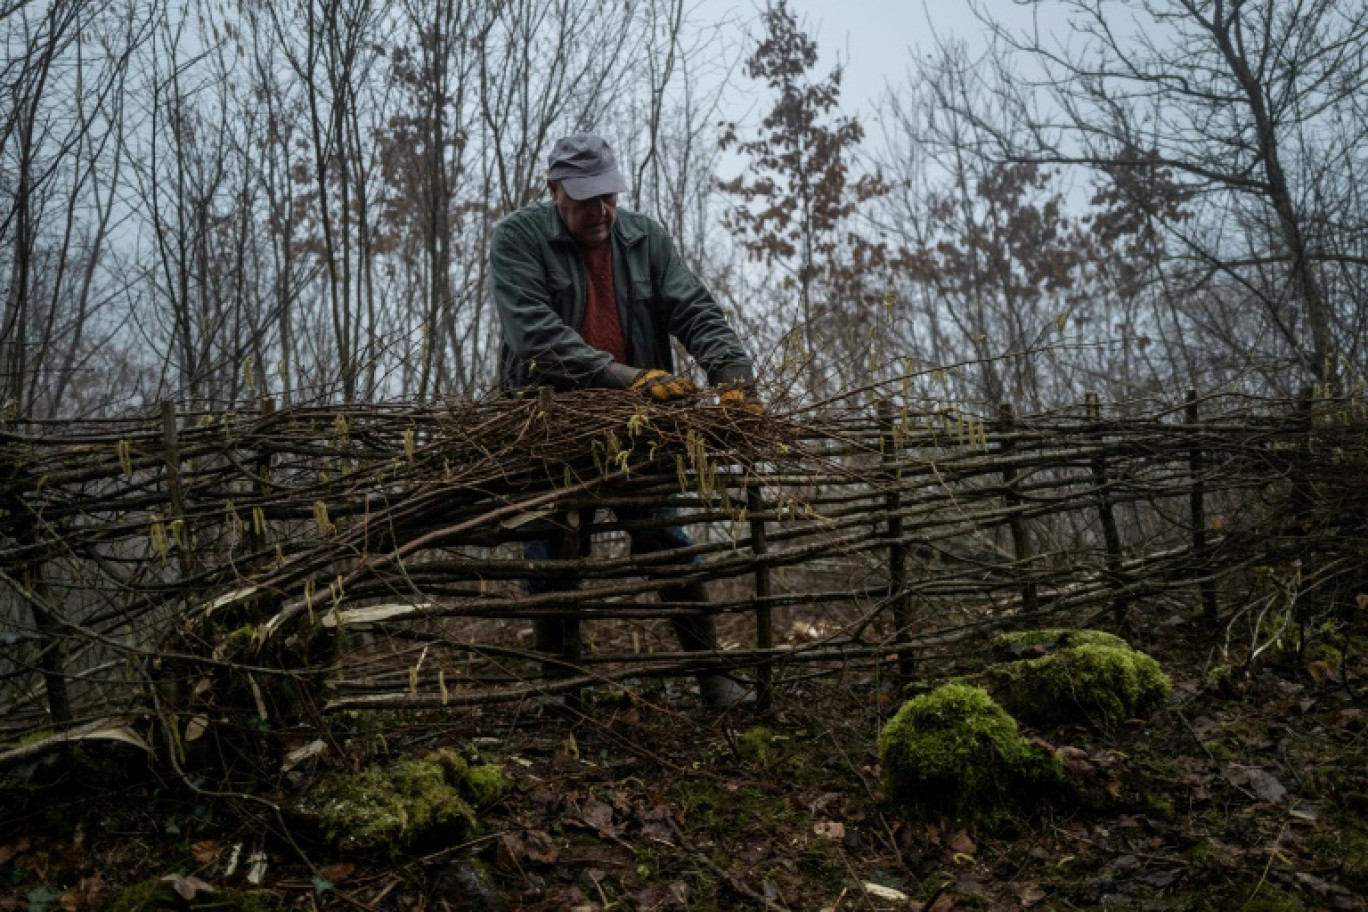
[602,328]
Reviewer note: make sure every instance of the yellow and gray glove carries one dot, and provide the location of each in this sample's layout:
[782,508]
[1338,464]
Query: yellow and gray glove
[735,400]
[663,386]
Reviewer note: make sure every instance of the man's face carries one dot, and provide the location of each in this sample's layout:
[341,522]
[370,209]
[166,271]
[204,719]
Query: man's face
[590,221]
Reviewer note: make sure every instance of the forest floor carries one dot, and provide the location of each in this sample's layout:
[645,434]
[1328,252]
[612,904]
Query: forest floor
[1244,792]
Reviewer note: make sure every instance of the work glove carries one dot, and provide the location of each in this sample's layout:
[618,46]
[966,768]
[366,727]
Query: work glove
[735,401]
[663,386]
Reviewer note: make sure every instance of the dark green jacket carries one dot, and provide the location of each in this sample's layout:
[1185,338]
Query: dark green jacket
[537,277]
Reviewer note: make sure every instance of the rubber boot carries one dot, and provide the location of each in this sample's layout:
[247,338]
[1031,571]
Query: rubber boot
[560,637]
[698,633]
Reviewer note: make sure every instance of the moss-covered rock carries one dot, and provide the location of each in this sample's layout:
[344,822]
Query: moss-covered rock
[396,804]
[1089,676]
[1051,639]
[956,750]
[485,783]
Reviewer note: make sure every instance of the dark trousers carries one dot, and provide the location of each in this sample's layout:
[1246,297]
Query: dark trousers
[560,635]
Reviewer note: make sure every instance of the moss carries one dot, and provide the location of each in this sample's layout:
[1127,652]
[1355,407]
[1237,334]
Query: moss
[1345,848]
[146,895]
[758,746]
[1159,806]
[1219,750]
[397,804]
[956,750]
[1093,682]
[35,737]
[1199,853]
[486,783]
[723,812]
[1051,639]
[1322,660]
[1271,898]
[156,895]
[240,638]
[1353,856]
[1221,680]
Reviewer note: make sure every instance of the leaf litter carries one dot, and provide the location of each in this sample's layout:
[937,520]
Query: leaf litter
[1219,798]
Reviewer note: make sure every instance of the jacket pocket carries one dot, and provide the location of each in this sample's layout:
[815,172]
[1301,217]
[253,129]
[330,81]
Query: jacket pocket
[650,320]
[562,294]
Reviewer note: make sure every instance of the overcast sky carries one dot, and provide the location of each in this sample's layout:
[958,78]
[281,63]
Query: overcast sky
[874,38]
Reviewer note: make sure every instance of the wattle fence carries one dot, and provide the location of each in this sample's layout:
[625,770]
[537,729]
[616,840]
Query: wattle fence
[163,571]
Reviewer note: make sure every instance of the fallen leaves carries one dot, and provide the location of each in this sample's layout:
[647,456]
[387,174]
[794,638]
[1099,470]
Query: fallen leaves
[829,829]
[13,850]
[960,843]
[187,887]
[1261,782]
[942,903]
[336,873]
[88,894]
[598,816]
[879,891]
[205,851]
[513,850]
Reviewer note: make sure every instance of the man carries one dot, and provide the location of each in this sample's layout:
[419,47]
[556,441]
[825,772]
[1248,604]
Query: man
[589,296]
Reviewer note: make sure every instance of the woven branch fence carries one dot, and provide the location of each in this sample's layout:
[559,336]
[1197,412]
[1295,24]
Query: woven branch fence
[287,562]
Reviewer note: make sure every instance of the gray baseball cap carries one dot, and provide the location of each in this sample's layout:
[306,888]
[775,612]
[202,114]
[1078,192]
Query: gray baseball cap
[585,167]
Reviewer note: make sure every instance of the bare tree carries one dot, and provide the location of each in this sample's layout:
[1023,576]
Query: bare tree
[802,189]
[212,202]
[59,182]
[1045,283]
[1257,105]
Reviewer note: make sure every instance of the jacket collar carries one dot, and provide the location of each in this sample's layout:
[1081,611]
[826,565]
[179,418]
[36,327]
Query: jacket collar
[626,231]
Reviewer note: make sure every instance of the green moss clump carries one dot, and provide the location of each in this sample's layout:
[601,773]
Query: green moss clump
[397,804]
[1353,856]
[1222,681]
[1270,898]
[956,750]
[722,812]
[1347,848]
[1094,682]
[240,638]
[485,783]
[1159,806]
[757,746]
[157,895]
[1052,639]
[145,896]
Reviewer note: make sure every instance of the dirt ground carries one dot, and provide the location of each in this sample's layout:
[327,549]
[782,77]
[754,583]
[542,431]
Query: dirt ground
[1248,791]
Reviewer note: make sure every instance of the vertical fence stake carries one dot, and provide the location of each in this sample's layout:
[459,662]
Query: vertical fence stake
[571,644]
[1211,612]
[1110,534]
[258,539]
[764,613]
[1021,542]
[171,443]
[565,547]
[897,549]
[1304,416]
[52,658]
[52,648]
